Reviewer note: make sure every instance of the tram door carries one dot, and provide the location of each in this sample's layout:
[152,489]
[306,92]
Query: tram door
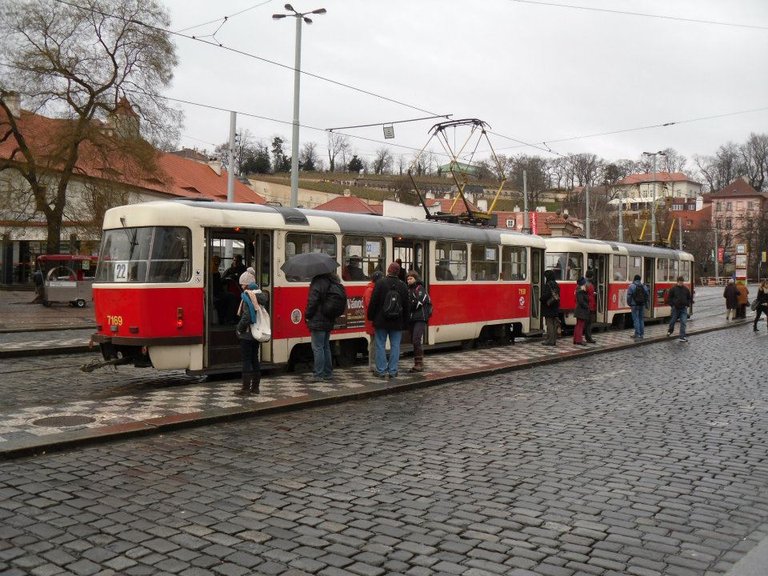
[649,278]
[222,291]
[598,264]
[414,255]
[537,272]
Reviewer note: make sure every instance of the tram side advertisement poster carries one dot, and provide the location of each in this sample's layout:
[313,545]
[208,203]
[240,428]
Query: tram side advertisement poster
[354,317]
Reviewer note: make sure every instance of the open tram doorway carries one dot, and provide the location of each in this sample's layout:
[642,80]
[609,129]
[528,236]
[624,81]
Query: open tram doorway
[597,264]
[413,254]
[649,279]
[228,253]
[537,277]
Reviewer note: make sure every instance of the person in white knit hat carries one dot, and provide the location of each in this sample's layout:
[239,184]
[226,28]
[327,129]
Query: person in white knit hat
[249,347]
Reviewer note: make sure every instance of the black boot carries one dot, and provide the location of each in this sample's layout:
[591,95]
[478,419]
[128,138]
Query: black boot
[255,380]
[246,385]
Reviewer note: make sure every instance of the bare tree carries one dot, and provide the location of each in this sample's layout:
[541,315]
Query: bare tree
[81,63]
[338,145]
[382,161]
[536,176]
[755,157]
[308,157]
[722,168]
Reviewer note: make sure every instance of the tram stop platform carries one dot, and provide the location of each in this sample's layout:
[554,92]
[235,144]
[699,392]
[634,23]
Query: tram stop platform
[176,400]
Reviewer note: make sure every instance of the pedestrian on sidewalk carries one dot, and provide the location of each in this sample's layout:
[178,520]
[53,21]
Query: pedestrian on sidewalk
[419,311]
[377,275]
[320,325]
[638,298]
[581,312]
[389,312]
[589,288]
[249,347]
[761,303]
[550,307]
[742,299]
[730,296]
[679,300]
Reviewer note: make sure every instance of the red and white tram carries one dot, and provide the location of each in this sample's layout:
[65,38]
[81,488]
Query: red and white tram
[613,266]
[155,293]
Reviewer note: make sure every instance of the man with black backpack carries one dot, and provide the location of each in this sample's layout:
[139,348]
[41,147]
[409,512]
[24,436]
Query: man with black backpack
[388,311]
[638,298]
[327,301]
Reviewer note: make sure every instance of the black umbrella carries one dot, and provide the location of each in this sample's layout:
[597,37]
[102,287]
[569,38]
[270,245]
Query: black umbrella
[307,266]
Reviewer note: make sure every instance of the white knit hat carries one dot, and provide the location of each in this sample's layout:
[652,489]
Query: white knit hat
[248,277]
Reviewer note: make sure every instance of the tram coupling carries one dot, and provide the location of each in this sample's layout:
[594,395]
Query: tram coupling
[95,364]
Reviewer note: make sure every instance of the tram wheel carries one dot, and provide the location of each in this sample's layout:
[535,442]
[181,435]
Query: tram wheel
[80,303]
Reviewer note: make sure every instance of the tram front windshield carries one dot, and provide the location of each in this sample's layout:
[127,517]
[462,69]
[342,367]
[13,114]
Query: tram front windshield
[145,254]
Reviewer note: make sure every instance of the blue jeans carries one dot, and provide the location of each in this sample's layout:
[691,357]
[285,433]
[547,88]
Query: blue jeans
[682,314]
[638,320]
[382,365]
[321,350]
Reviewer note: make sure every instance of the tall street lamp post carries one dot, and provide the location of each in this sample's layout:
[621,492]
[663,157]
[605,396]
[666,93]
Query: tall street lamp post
[300,16]
[653,205]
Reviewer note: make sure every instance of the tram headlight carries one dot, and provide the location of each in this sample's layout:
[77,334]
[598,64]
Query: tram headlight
[179,317]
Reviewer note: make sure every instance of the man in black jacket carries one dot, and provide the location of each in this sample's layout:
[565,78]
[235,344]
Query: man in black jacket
[679,300]
[320,326]
[388,311]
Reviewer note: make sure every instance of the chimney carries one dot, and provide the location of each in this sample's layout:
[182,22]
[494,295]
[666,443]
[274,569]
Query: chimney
[13,101]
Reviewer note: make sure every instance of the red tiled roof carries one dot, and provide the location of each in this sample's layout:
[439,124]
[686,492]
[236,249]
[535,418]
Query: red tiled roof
[350,205]
[176,176]
[739,187]
[445,205]
[657,177]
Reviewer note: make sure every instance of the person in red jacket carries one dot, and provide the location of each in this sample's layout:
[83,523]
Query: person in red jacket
[589,288]
[378,275]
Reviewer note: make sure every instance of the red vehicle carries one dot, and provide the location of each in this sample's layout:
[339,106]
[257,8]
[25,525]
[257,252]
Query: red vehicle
[158,302]
[613,266]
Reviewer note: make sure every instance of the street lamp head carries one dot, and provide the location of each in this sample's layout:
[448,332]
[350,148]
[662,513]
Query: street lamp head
[307,20]
[278,16]
[289,8]
[319,11]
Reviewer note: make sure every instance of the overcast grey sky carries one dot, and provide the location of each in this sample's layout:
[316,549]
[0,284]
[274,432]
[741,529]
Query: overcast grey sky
[579,75]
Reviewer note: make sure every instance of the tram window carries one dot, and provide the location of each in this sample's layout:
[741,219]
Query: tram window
[296,243]
[125,255]
[575,266]
[266,251]
[662,270]
[362,256]
[635,267]
[557,262]
[485,262]
[674,267]
[170,255]
[685,270]
[451,260]
[619,272]
[513,263]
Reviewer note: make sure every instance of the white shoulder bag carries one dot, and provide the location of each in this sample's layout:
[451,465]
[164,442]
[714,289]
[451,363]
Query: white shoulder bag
[261,329]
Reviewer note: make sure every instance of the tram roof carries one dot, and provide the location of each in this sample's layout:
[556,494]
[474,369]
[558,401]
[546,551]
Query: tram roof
[295,218]
[655,251]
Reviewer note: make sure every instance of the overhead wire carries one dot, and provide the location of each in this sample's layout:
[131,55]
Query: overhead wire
[641,14]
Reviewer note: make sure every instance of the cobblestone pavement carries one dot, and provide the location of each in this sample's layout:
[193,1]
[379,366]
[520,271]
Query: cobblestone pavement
[645,461]
[47,402]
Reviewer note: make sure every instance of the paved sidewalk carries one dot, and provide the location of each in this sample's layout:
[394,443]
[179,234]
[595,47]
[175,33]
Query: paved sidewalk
[43,428]
[19,314]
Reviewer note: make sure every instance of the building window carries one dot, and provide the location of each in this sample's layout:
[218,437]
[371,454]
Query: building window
[718,206]
[511,223]
[728,206]
[727,223]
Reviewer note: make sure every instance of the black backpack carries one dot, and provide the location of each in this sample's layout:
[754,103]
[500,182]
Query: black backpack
[639,295]
[335,302]
[393,305]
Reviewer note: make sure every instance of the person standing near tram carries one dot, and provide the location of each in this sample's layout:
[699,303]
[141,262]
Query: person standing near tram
[589,288]
[550,307]
[638,298]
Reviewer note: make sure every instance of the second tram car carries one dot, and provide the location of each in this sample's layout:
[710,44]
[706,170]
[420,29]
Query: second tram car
[161,299]
[613,266]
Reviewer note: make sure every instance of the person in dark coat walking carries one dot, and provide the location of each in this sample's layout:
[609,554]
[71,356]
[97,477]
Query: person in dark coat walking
[730,299]
[761,306]
[581,312]
[249,347]
[390,295]
[742,299]
[320,326]
[679,299]
[550,307]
